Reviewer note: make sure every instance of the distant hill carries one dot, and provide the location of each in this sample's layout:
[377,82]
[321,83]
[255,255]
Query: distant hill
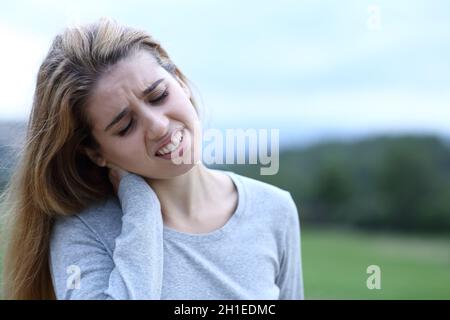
[12,133]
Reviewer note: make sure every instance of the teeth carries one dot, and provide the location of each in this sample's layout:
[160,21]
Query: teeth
[176,138]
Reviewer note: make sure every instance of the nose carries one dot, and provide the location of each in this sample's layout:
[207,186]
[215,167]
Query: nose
[156,125]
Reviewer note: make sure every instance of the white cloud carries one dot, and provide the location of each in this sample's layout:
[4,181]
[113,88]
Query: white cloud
[321,43]
[20,57]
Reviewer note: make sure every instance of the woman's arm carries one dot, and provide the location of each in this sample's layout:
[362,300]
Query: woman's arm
[290,277]
[135,269]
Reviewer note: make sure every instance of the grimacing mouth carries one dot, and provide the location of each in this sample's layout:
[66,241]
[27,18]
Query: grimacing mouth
[171,136]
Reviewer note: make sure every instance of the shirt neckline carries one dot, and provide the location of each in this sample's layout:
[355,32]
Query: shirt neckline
[228,227]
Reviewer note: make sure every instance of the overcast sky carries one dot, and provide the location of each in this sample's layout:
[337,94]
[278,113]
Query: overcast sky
[310,68]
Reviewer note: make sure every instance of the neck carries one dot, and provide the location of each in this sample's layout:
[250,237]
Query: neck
[184,196]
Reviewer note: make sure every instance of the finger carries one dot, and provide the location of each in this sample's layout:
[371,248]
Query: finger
[112,166]
[117,171]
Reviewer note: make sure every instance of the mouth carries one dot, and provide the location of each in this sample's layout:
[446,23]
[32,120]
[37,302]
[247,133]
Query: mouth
[172,149]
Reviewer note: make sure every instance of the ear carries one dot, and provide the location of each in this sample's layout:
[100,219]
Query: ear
[95,156]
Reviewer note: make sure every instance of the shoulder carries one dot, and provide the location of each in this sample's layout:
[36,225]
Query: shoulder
[267,198]
[100,222]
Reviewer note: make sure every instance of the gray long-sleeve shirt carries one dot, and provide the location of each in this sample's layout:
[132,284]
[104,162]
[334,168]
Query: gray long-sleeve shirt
[121,249]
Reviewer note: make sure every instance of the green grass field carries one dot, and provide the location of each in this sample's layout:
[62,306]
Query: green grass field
[335,263]
[412,267]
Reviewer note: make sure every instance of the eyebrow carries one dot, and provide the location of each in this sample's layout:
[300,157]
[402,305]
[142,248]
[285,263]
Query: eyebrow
[152,87]
[126,110]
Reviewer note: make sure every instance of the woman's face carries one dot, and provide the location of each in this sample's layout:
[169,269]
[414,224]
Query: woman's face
[154,106]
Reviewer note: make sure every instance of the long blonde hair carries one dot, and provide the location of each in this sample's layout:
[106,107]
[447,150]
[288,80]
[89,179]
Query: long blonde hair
[53,176]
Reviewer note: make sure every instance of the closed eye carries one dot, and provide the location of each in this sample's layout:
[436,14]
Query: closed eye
[160,98]
[130,125]
[124,131]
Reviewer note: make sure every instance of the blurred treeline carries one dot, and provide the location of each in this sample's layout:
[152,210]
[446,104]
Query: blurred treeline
[383,183]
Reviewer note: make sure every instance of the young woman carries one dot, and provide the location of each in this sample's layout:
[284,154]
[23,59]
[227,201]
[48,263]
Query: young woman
[98,206]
